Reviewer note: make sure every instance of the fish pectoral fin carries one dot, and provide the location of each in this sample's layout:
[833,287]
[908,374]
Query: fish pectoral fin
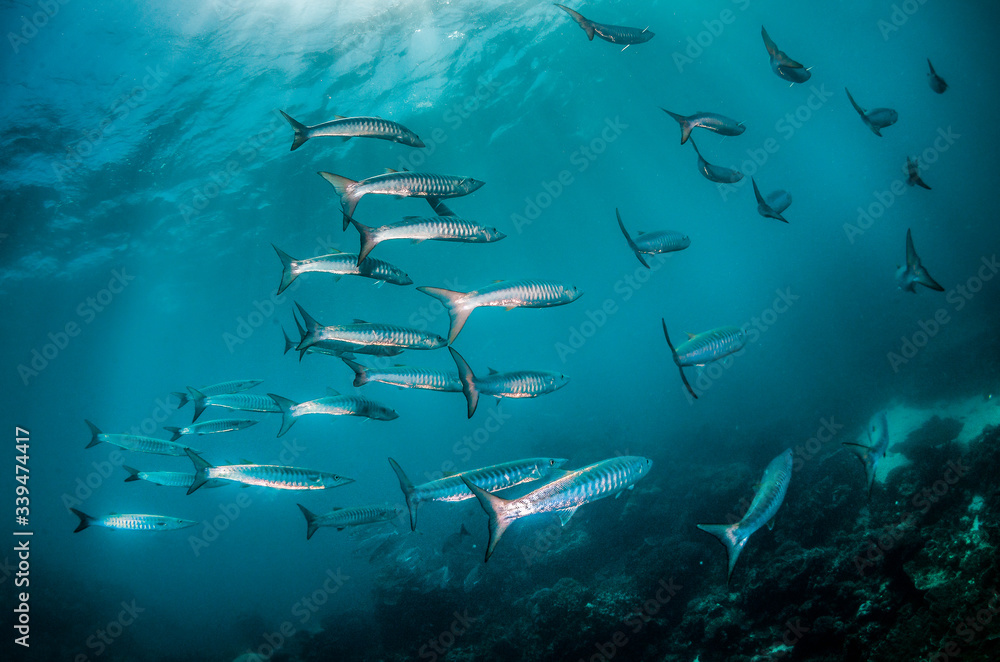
[566,514]
[359,321]
[417,241]
[332,392]
[626,47]
[770,524]
[509,307]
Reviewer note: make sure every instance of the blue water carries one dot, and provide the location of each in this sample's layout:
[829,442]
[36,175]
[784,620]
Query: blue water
[147,173]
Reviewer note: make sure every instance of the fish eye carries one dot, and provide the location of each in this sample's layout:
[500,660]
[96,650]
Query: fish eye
[552,463]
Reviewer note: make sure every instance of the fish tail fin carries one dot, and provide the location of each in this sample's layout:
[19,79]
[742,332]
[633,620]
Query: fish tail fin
[859,109]
[300,129]
[200,466]
[345,189]
[921,183]
[587,26]
[495,508]
[94,432]
[409,492]
[930,65]
[287,418]
[175,432]
[925,279]
[181,397]
[728,535]
[309,329]
[198,398]
[133,474]
[685,127]
[631,244]
[289,343]
[673,353]
[769,44]
[450,299]
[287,276]
[756,192]
[469,386]
[360,371]
[369,239]
[85,520]
[311,525]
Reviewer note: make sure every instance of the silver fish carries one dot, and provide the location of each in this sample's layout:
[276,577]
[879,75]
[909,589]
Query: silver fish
[764,207]
[913,174]
[705,347]
[765,504]
[506,293]
[936,82]
[878,444]
[562,496]
[133,442]
[406,184]
[210,427]
[418,229]
[339,264]
[406,377]
[716,173]
[783,66]
[237,401]
[660,241]
[875,119]
[167,478]
[452,487]
[914,272]
[332,347]
[520,384]
[341,518]
[353,127]
[366,338]
[132,522]
[334,404]
[616,34]
[235,386]
[724,126]
[264,475]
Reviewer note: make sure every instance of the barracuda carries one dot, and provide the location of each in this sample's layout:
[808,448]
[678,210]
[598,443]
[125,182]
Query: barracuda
[765,504]
[914,272]
[715,173]
[235,386]
[616,34]
[364,337]
[404,184]
[452,487]
[508,294]
[334,348]
[773,204]
[783,66]
[341,518]
[339,264]
[132,522]
[237,401]
[562,496]
[662,241]
[406,377]
[334,404]
[167,478]
[724,126]
[133,442]
[211,427]
[878,444]
[353,127]
[418,229]
[519,384]
[264,475]
[705,347]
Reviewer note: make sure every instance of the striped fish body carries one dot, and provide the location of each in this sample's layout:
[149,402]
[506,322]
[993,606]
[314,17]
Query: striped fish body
[662,241]
[138,444]
[339,264]
[345,405]
[340,348]
[407,377]
[237,401]
[438,228]
[168,478]
[357,337]
[132,522]
[341,518]
[212,427]
[235,386]
[616,34]
[710,346]
[716,173]
[520,384]
[725,126]
[353,127]
[277,476]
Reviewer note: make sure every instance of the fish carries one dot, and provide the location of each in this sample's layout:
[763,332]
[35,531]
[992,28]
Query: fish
[660,241]
[562,496]
[366,338]
[237,401]
[329,348]
[235,386]
[715,173]
[519,384]
[616,34]
[352,127]
[913,173]
[702,348]
[210,427]
[914,272]
[878,444]
[507,293]
[766,209]
[132,522]
[167,478]
[783,66]
[341,518]
[455,540]
[418,229]
[936,82]
[724,126]
[451,487]
[875,119]
[339,264]
[406,377]
[406,184]
[765,504]
[333,404]
[275,476]
[134,442]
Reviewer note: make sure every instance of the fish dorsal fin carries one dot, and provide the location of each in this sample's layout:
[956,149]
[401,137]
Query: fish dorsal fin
[410,218]
[566,514]
[449,474]
[359,321]
[464,531]
[390,171]
[337,508]
[493,371]
[332,392]
[509,307]
[498,280]
[690,335]
[339,117]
